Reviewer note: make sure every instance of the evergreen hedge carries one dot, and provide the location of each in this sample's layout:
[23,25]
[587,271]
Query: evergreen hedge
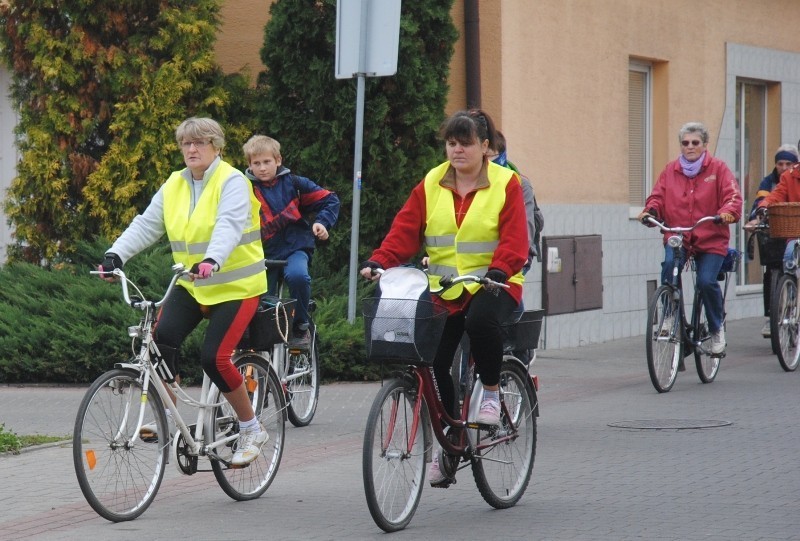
[63,325]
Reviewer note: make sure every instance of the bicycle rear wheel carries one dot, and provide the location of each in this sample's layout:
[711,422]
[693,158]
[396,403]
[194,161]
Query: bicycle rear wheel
[393,460]
[303,383]
[784,322]
[707,366]
[118,473]
[664,343]
[503,459]
[266,396]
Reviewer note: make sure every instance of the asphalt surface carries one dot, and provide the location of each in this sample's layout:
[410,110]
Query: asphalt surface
[591,480]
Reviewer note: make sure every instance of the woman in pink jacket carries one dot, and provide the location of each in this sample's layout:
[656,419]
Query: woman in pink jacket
[696,185]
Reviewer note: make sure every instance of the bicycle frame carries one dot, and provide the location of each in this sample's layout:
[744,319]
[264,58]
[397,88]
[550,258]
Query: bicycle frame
[151,373]
[425,383]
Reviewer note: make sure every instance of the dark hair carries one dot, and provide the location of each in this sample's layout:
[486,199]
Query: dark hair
[500,143]
[466,126]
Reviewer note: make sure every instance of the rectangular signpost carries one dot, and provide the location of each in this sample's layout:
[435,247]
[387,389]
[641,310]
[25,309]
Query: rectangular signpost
[367,42]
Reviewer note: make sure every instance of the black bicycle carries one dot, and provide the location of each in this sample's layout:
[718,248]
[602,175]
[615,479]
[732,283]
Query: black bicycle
[670,336]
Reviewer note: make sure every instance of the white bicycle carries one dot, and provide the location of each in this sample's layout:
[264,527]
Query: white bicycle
[119,473]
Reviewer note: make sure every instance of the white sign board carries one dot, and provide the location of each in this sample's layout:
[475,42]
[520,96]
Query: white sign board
[371,27]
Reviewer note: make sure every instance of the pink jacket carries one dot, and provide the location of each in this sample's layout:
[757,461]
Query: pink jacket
[680,201]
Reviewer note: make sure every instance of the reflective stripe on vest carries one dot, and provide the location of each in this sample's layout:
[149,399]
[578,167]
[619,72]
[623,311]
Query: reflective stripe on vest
[456,251]
[242,275]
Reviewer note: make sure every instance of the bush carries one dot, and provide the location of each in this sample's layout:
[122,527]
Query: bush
[63,325]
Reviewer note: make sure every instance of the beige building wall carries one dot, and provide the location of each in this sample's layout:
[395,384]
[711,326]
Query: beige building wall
[241,35]
[559,89]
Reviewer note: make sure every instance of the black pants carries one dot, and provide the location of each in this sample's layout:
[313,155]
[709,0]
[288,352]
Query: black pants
[481,320]
[227,322]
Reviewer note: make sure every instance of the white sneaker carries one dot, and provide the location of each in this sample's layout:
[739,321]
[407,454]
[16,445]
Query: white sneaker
[666,326]
[435,475]
[718,342]
[249,445]
[489,414]
[149,433]
[766,332]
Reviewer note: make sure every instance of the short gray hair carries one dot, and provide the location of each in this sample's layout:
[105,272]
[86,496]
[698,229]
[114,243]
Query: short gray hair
[196,128]
[694,127]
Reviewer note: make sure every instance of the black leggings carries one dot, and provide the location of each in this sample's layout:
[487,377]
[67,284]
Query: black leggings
[481,320]
[227,322]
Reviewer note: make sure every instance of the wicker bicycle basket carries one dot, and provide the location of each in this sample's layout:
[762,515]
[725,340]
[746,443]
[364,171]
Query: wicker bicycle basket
[784,220]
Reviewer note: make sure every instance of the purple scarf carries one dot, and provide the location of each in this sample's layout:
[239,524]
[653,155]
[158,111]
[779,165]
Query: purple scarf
[691,169]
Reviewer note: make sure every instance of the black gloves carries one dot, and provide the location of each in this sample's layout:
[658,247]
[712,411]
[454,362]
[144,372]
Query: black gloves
[111,262]
[496,275]
[370,265]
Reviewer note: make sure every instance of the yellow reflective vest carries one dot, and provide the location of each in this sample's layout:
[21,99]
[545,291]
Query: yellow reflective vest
[243,275]
[453,250]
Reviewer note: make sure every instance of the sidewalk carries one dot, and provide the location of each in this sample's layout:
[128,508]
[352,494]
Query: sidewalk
[591,480]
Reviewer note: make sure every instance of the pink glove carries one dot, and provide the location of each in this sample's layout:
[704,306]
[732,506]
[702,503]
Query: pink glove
[204,269]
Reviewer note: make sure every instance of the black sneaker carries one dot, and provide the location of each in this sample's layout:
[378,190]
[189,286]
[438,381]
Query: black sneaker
[300,339]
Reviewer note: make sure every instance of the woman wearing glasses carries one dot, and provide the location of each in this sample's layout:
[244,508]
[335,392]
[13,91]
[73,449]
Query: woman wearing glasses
[210,216]
[696,185]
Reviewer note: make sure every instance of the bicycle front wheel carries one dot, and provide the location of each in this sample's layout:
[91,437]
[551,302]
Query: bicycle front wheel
[707,366]
[118,473]
[302,383]
[503,460]
[783,322]
[664,343]
[393,460]
[266,396]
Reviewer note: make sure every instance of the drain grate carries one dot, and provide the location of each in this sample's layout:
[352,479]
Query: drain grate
[669,424]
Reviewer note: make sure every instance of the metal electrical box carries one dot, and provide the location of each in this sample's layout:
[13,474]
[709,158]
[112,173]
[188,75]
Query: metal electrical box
[572,273]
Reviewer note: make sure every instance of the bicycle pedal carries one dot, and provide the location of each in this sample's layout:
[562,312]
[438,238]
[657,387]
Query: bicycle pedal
[717,355]
[445,483]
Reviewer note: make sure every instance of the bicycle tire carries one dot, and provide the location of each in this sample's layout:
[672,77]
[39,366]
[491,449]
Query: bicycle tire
[266,395]
[502,471]
[774,276]
[118,473]
[393,473]
[664,340]
[783,322]
[707,365]
[303,391]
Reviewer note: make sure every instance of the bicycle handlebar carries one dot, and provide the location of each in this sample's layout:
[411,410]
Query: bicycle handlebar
[664,227]
[449,281]
[178,270]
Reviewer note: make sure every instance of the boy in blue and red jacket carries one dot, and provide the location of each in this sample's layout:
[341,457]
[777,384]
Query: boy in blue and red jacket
[286,199]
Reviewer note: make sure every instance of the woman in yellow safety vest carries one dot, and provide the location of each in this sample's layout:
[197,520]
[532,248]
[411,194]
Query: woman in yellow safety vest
[469,216]
[210,216]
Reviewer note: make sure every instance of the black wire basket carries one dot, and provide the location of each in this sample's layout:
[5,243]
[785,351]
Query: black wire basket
[272,319]
[402,330]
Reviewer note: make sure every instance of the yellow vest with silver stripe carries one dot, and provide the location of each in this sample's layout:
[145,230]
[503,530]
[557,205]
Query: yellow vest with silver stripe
[453,250]
[243,275]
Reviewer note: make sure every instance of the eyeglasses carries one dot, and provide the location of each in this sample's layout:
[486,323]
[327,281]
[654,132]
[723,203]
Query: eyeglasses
[199,145]
[694,143]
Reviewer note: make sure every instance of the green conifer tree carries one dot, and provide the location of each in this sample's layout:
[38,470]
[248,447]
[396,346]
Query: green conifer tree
[100,88]
[312,113]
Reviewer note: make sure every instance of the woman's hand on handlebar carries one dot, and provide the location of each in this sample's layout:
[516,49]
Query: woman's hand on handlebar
[370,270]
[726,218]
[644,216]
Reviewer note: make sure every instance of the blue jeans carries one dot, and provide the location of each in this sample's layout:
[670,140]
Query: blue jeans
[788,256]
[707,267]
[297,279]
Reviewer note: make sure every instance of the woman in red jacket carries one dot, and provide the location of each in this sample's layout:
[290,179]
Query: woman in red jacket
[696,185]
[468,214]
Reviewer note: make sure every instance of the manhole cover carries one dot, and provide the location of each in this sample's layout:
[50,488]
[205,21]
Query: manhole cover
[669,424]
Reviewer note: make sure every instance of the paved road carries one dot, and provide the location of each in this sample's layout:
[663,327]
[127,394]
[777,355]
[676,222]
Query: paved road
[591,480]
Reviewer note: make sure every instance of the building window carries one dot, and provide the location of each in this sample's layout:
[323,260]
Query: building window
[639,133]
[751,159]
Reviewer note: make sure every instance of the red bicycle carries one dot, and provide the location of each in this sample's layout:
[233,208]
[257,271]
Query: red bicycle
[408,411]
